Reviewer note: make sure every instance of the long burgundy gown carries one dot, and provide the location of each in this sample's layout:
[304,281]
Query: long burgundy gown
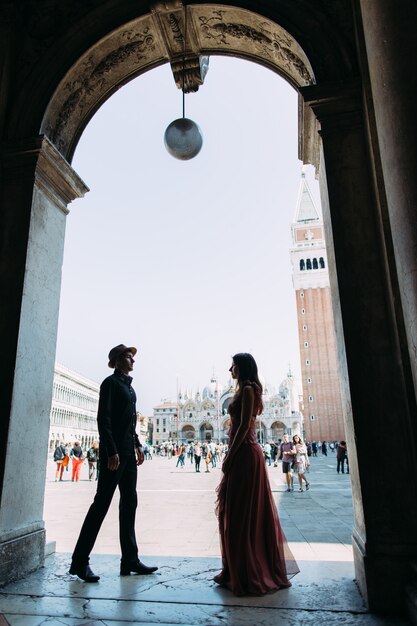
[255,554]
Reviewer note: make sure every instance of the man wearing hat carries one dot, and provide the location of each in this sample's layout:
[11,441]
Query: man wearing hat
[120,454]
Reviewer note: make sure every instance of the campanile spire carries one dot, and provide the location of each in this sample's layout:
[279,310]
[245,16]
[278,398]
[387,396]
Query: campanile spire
[317,341]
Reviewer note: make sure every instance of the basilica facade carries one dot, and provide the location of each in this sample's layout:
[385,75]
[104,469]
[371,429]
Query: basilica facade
[203,416]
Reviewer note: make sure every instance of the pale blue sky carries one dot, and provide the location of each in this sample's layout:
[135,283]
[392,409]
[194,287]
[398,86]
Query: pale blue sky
[188,261]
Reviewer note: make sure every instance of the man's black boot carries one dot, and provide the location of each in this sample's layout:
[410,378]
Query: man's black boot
[84,572]
[136,567]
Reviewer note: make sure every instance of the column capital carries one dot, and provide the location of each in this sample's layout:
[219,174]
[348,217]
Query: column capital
[336,101]
[38,158]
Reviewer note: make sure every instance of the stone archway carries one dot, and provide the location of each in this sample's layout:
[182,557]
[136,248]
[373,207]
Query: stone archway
[157,38]
[277,430]
[66,78]
[188,433]
[260,429]
[225,404]
[225,430]
[206,432]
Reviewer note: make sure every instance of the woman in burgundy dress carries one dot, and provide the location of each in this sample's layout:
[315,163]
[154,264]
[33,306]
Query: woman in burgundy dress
[255,554]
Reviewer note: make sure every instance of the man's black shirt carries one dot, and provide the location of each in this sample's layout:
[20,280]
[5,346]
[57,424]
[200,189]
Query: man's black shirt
[116,416]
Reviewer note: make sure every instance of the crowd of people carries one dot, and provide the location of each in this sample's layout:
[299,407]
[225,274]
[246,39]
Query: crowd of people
[71,457]
[192,452]
[68,455]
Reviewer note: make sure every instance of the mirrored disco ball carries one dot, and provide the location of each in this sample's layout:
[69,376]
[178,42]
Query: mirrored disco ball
[183,139]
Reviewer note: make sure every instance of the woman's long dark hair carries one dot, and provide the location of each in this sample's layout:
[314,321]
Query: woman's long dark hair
[248,373]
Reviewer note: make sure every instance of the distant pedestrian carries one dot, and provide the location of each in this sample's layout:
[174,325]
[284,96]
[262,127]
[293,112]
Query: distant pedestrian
[191,453]
[341,457]
[92,458]
[267,453]
[287,452]
[197,456]
[208,458]
[59,455]
[274,453]
[301,462]
[77,456]
[213,455]
[324,448]
[314,448]
[181,457]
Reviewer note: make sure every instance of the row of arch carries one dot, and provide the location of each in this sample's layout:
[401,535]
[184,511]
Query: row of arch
[64,417]
[206,431]
[71,396]
[85,439]
[312,264]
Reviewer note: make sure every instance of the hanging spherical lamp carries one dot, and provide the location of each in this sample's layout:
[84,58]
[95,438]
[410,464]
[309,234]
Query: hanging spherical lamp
[183,139]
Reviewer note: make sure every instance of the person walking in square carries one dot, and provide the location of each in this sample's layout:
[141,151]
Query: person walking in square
[77,456]
[181,457]
[287,453]
[120,453]
[341,457]
[197,456]
[59,455]
[92,458]
[208,458]
[301,461]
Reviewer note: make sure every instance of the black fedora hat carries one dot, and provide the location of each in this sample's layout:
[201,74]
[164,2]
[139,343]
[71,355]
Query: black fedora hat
[117,351]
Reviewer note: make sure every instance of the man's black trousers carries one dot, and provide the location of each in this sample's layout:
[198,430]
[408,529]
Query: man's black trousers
[125,478]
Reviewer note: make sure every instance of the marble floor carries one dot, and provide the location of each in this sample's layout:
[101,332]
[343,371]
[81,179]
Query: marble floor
[182,592]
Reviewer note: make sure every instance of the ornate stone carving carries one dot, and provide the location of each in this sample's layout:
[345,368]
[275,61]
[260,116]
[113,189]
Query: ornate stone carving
[190,73]
[182,35]
[176,29]
[135,48]
[95,74]
[226,29]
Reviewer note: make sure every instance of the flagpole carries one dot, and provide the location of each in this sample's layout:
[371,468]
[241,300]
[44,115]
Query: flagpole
[178,414]
[218,412]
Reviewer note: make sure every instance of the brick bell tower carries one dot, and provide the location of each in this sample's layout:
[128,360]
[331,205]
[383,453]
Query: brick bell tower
[317,340]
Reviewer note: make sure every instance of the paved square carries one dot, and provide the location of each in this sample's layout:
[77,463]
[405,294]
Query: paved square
[177,530]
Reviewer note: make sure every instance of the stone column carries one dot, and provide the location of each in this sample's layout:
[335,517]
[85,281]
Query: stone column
[389,47]
[37,185]
[374,397]
[391,51]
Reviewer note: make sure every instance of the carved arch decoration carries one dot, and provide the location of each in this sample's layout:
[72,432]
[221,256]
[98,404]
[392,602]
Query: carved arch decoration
[188,428]
[157,38]
[226,424]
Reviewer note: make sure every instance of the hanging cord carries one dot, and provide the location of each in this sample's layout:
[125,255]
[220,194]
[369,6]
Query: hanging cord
[183,61]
